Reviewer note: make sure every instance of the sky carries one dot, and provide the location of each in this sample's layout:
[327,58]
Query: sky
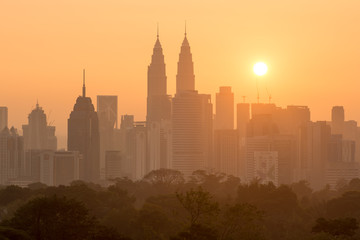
[311,47]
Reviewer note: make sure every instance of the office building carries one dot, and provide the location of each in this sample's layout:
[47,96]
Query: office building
[224,118]
[37,134]
[83,136]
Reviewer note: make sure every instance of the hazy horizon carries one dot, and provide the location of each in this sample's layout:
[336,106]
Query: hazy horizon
[312,50]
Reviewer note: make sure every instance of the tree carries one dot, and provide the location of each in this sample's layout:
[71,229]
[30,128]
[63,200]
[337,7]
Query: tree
[164,176]
[241,221]
[197,232]
[53,218]
[336,227]
[199,204]
[7,233]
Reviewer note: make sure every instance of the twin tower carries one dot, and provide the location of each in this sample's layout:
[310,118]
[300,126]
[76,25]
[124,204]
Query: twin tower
[179,128]
[158,104]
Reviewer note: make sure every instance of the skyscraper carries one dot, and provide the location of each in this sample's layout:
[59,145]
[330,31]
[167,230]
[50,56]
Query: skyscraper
[11,155]
[108,121]
[37,134]
[158,102]
[191,120]
[83,136]
[224,118]
[225,137]
[158,112]
[185,78]
[3,118]
[314,138]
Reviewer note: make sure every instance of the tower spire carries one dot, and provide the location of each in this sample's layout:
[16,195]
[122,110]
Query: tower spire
[84,88]
[185,28]
[157,32]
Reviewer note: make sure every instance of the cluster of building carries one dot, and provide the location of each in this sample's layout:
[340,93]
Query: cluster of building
[268,143]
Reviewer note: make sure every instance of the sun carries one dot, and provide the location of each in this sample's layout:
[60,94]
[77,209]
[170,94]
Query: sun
[260,68]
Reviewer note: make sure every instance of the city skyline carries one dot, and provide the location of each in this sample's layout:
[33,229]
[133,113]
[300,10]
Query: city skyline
[223,54]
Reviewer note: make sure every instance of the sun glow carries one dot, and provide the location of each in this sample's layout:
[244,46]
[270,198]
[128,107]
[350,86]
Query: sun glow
[260,68]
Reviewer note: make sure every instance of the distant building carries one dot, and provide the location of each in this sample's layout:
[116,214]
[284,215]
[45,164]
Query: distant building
[108,123]
[224,118]
[134,148]
[113,165]
[158,112]
[337,120]
[191,120]
[313,142]
[191,132]
[226,151]
[66,167]
[3,118]
[54,168]
[158,102]
[37,133]
[286,155]
[83,136]
[11,155]
[243,118]
[266,168]
[340,171]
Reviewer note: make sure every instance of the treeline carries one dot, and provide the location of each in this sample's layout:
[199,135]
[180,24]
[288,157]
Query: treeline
[165,206]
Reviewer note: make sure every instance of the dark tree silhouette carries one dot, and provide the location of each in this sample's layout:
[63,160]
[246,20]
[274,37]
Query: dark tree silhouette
[336,227]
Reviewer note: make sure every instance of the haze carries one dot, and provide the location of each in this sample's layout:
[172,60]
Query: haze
[311,48]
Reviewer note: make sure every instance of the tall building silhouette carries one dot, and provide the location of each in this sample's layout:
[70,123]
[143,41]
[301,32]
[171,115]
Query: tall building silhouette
[83,136]
[158,102]
[3,117]
[224,118]
[185,78]
[191,120]
[337,120]
[11,155]
[37,134]
[225,137]
[158,112]
[108,122]
[313,143]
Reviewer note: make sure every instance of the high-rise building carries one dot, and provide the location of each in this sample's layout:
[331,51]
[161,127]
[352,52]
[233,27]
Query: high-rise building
[337,120]
[185,78]
[11,155]
[224,118]
[83,136]
[285,148]
[262,109]
[191,120]
[108,123]
[313,140]
[3,117]
[226,151]
[266,167]
[37,133]
[158,102]
[158,112]
[191,132]
[113,165]
[134,148]
[243,118]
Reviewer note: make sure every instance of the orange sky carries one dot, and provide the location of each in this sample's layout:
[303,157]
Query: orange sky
[312,48]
